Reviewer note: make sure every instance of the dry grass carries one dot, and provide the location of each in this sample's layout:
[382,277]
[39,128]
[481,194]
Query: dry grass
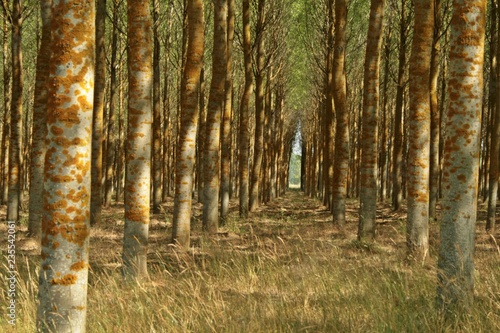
[285,269]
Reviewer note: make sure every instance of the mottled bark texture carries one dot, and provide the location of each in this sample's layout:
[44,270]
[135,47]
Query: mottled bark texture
[417,232]
[186,149]
[39,131]
[461,157]
[215,107]
[66,192]
[138,144]
[369,137]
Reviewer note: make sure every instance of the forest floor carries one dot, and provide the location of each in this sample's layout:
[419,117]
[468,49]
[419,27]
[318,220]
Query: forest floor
[284,269]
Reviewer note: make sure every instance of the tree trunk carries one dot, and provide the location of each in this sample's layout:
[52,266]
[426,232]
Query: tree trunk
[16,115]
[435,114]
[66,214]
[227,116]
[495,131]
[6,115]
[157,158]
[417,233]
[98,114]
[341,158]
[244,138]
[138,151]
[259,111]
[186,150]
[38,148]
[397,152]
[461,158]
[215,107]
[111,152]
[369,140]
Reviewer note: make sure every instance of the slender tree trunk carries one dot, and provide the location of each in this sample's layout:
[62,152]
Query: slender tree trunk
[157,159]
[16,112]
[495,131]
[186,150]
[435,114]
[38,148]
[201,138]
[259,111]
[244,137]
[215,107]
[417,237]
[368,195]
[397,152]
[328,145]
[138,151]
[461,158]
[6,116]
[66,193]
[341,158]
[227,116]
[167,121]
[111,152]
[98,114]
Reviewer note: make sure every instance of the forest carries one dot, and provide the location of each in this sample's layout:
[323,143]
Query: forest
[249,166]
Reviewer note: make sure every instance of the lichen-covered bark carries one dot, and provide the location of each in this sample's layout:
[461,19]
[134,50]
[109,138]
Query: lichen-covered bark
[66,193]
[259,111]
[39,125]
[138,144]
[417,233]
[369,139]
[461,156]
[341,157]
[16,110]
[215,107]
[186,149]
[226,118]
[244,137]
[97,122]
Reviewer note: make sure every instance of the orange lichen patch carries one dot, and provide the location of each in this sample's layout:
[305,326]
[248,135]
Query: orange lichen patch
[65,142]
[60,179]
[79,307]
[56,130]
[66,280]
[55,245]
[84,104]
[78,196]
[79,265]
[61,204]
[462,178]
[139,214]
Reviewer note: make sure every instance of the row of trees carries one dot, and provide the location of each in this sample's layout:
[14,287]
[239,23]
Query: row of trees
[412,124]
[180,140]
[78,147]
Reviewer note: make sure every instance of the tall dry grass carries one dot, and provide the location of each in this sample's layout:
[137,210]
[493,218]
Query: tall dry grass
[281,272]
